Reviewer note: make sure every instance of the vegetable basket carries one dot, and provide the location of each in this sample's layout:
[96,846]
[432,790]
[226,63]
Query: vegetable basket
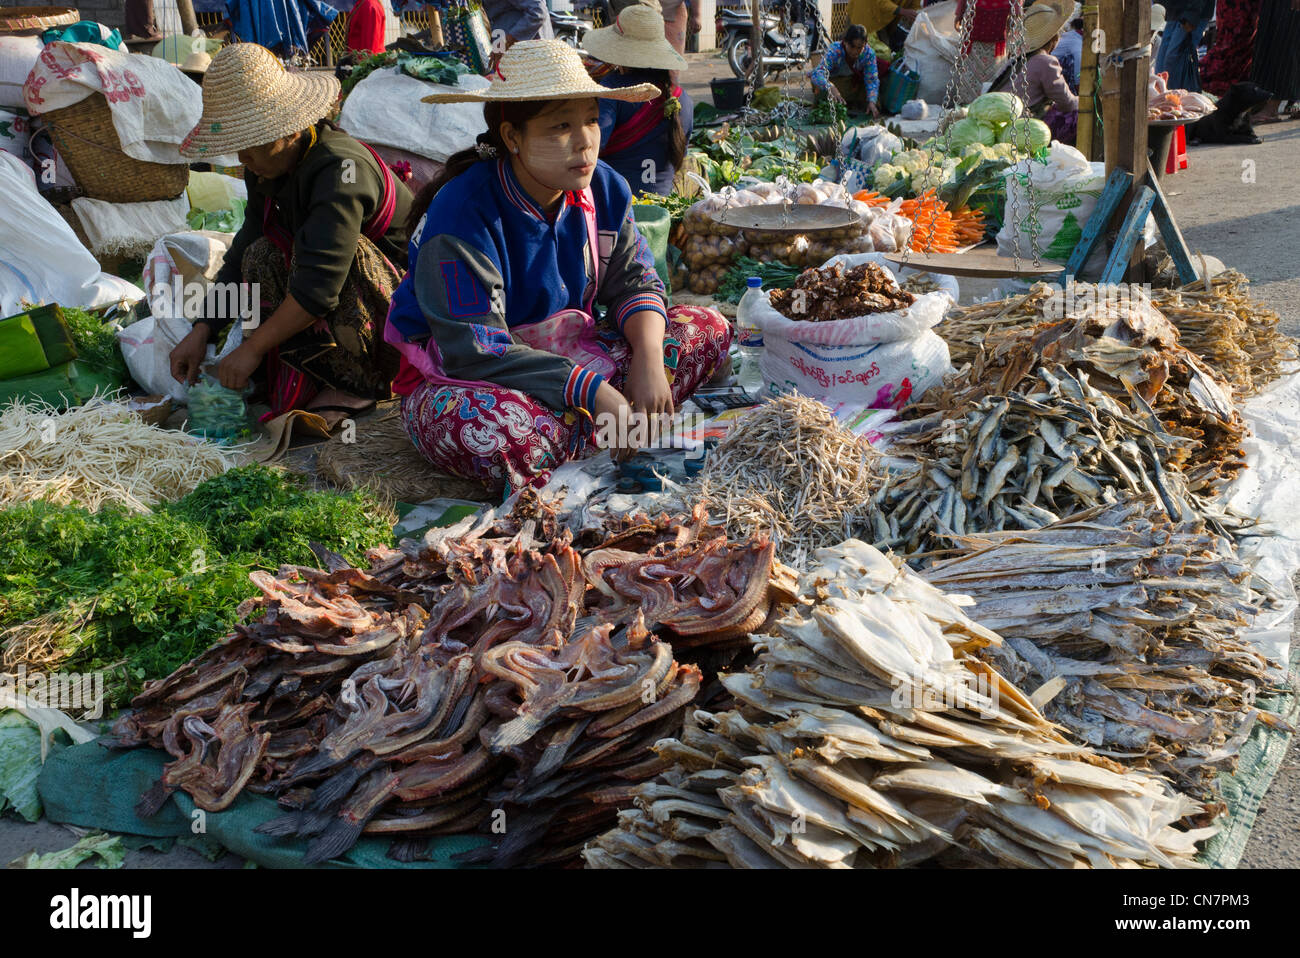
[88,142]
[33,21]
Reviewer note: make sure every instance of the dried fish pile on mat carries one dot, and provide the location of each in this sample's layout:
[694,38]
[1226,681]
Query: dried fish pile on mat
[1023,460]
[870,735]
[790,468]
[536,675]
[1132,625]
[966,329]
[1129,351]
[1233,334]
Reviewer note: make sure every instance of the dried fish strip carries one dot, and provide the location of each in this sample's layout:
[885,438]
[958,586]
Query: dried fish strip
[526,685]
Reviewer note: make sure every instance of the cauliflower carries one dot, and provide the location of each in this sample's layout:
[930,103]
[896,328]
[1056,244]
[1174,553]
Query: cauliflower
[930,178]
[886,174]
[911,160]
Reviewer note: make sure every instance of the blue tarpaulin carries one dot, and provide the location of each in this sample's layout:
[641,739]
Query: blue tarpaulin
[281,26]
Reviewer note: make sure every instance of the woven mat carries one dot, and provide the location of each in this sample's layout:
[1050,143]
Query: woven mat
[382,458]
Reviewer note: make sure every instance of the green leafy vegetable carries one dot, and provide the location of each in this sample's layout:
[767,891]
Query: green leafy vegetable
[20,763]
[96,342]
[137,595]
[774,275]
[107,848]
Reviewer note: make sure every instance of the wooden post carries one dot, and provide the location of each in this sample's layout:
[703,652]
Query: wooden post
[1089,144]
[189,22]
[756,44]
[1133,82]
[1110,21]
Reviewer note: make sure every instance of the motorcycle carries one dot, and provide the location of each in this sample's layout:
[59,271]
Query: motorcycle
[570,28]
[792,33]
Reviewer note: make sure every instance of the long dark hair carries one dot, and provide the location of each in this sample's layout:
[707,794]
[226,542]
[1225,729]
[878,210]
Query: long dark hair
[676,134]
[495,114]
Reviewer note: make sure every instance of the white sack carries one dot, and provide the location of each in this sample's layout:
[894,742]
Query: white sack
[385,108]
[41,259]
[129,229]
[17,57]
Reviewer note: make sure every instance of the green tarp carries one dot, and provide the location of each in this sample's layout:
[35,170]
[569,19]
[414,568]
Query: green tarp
[654,223]
[95,787]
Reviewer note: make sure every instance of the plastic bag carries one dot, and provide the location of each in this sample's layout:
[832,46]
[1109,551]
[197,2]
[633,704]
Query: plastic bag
[1065,192]
[870,144]
[882,360]
[915,110]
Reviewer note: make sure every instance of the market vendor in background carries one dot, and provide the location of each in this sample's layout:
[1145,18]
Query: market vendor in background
[645,143]
[1048,95]
[883,19]
[847,72]
[366,27]
[324,240]
[504,362]
[513,20]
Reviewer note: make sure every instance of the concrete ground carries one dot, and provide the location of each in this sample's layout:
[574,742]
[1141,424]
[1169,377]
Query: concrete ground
[1238,203]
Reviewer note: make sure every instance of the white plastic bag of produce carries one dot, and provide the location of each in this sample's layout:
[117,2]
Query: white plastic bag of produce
[1065,191]
[880,361]
[870,144]
[931,49]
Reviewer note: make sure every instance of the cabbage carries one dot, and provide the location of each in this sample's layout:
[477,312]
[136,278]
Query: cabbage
[995,109]
[1027,134]
[885,175]
[968,131]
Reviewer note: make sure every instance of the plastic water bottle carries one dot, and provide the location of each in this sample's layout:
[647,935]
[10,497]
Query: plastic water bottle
[750,336]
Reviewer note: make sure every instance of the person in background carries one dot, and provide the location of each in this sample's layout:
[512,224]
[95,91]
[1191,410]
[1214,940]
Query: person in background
[323,242]
[1185,22]
[506,360]
[1276,64]
[516,20]
[880,17]
[1229,61]
[1157,35]
[645,143]
[366,28]
[1069,51]
[1047,96]
[847,72]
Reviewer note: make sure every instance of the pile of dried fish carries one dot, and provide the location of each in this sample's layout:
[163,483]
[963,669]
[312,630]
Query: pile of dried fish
[1236,336]
[1129,626]
[1023,461]
[836,292]
[869,735]
[535,676]
[1131,352]
[966,329]
[790,468]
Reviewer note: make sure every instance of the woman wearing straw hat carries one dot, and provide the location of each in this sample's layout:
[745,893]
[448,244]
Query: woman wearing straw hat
[505,363]
[645,143]
[324,226]
[1048,94]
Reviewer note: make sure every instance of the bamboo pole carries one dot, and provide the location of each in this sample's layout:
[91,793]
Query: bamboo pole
[1086,141]
[756,45]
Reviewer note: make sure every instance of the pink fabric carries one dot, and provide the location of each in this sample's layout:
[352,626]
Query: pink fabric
[507,439]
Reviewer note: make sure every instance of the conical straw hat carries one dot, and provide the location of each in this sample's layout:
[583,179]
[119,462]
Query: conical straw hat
[249,99]
[1044,20]
[635,40]
[540,70]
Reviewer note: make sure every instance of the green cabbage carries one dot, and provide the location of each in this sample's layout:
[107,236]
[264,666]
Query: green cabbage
[968,131]
[995,109]
[1027,134]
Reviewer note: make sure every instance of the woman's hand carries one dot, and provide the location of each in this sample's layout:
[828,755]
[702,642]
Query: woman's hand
[235,369]
[613,412]
[647,389]
[188,355]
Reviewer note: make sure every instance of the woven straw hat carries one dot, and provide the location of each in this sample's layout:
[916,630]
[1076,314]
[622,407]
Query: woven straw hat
[1044,20]
[635,40]
[540,70]
[249,99]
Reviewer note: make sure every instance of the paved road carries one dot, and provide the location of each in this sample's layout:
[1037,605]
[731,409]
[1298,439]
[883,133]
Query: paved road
[1251,226]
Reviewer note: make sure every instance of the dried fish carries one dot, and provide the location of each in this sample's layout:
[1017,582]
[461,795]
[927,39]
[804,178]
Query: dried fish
[955,765]
[1137,619]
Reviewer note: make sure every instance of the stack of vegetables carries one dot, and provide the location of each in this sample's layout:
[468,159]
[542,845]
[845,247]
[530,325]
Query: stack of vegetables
[964,163]
[936,228]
